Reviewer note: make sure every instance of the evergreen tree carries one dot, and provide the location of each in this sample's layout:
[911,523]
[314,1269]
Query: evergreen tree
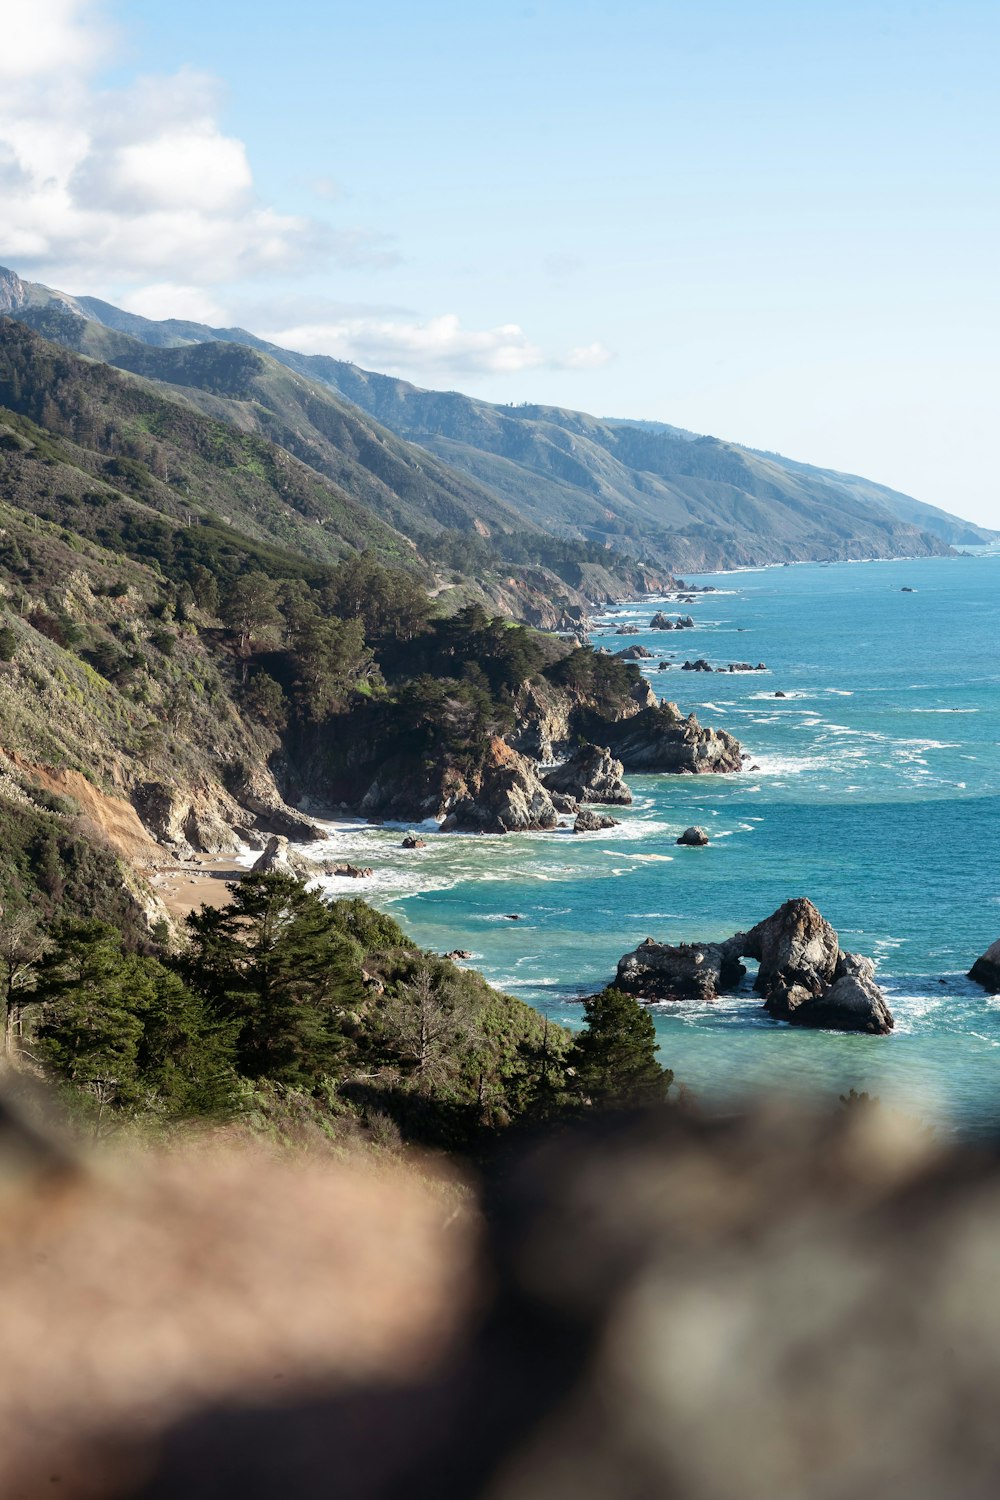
[614,1060]
[125,1029]
[276,964]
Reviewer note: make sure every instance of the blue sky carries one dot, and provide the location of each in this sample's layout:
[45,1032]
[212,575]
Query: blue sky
[774,222]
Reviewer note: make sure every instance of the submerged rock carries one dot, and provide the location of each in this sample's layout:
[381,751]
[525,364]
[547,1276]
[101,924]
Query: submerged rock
[591,774]
[694,838]
[986,969]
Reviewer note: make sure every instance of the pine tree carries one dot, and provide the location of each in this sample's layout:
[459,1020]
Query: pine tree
[276,964]
[614,1060]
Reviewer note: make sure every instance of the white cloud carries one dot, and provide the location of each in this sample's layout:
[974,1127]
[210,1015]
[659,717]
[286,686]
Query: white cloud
[139,195]
[166,299]
[48,35]
[434,345]
[102,188]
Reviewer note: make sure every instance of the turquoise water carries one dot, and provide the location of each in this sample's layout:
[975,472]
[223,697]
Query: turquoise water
[877,795]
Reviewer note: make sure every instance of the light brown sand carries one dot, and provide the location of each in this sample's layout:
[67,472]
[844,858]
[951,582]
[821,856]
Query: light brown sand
[197,880]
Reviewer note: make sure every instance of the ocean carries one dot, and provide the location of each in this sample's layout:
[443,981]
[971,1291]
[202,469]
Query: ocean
[875,792]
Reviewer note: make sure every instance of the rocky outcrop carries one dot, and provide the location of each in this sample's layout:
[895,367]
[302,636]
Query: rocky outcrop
[590,775]
[635,653]
[852,1003]
[661,739]
[804,976]
[797,951]
[280,856]
[701,665]
[593,822]
[687,971]
[986,969]
[694,838]
[503,795]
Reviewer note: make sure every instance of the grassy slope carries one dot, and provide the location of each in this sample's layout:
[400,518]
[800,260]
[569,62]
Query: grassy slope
[642,486]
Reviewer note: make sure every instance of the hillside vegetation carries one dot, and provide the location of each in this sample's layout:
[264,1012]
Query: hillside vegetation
[667,497]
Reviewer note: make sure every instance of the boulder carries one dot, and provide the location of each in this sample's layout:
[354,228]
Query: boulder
[659,738]
[593,822]
[564,803]
[353,872]
[412,842]
[591,774]
[279,855]
[852,1003]
[986,969]
[694,838]
[502,795]
[274,856]
[687,971]
[797,951]
[458,953]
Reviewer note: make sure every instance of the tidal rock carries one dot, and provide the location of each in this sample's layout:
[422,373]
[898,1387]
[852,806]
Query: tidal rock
[664,666]
[627,630]
[986,969]
[502,795]
[661,739]
[634,653]
[804,976]
[780,694]
[745,666]
[852,1003]
[687,971]
[694,837]
[412,842]
[564,803]
[275,855]
[459,953]
[354,872]
[660,621]
[797,950]
[701,665]
[592,822]
[590,775]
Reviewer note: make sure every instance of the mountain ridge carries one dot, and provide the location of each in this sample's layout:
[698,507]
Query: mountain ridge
[660,494]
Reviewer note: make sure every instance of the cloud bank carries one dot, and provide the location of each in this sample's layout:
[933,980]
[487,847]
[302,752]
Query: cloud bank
[139,195]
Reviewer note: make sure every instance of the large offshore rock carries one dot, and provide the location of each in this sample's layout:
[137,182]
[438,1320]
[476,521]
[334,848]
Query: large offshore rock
[797,950]
[590,775]
[660,738]
[687,971]
[986,969]
[804,975]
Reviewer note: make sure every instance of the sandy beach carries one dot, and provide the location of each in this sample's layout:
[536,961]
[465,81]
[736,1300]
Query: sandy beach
[198,880]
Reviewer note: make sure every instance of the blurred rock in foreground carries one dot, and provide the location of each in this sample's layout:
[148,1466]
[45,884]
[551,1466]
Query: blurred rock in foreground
[775,1305]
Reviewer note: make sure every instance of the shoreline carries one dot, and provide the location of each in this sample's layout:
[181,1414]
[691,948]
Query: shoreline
[196,880]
